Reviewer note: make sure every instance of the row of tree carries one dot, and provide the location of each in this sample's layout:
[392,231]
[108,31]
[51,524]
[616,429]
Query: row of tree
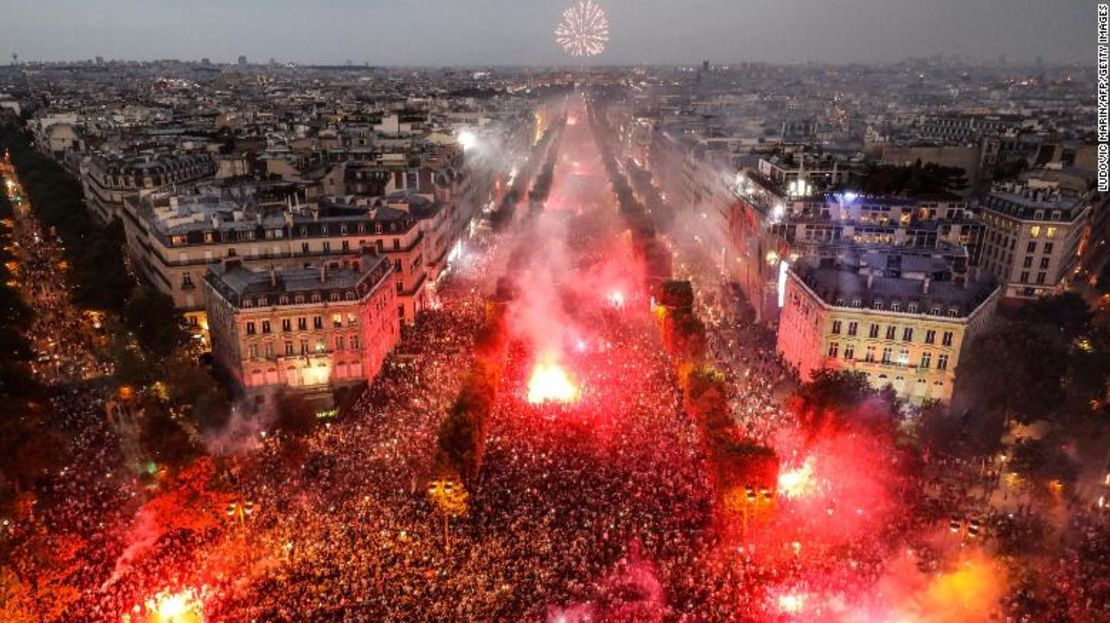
[739,468]
[462,434]
[541,151]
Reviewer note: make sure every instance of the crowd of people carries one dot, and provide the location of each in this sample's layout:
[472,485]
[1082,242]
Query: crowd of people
[62,336]
[599,508]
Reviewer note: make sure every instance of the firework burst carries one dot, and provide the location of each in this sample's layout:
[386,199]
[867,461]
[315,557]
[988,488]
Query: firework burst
[584,30]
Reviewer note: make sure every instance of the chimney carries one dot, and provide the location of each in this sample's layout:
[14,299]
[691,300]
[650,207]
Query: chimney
[323,272]
[273,277]
[925,284]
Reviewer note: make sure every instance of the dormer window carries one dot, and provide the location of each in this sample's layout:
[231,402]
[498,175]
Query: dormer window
[912,307]
[315,298]
[895,306]
[878,304]
[334,296]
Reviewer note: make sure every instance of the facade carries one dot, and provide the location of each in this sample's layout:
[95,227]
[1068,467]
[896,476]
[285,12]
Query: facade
[108,181]
[907,331]
[309,329]
[173,239]
[1033,238]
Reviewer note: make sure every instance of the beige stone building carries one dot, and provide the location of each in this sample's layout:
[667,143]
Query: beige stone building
[904,323]
[1034,237]
[306,328]
[173,239]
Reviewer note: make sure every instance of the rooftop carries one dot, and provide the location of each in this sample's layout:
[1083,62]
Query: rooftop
[873,280]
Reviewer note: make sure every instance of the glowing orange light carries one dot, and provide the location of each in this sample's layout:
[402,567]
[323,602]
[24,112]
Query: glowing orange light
[550,382]
[798,482]
[791,604]
[180,607]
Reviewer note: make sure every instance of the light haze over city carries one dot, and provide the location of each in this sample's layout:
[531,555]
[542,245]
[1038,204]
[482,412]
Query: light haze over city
[507,32]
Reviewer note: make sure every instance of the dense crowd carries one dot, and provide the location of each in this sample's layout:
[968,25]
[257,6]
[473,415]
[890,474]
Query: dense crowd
[62,337]
[598,509]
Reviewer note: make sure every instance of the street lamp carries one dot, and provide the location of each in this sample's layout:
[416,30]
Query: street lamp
[450,499]
[240,509]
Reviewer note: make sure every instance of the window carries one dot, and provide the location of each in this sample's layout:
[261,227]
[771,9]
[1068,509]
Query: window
[269,350]
[912,307]
[930,336]
[1040,278]
[1028,262]
[1050,233]
[321,346]
[339,342]
[836,327]
[849,351]
[869,355]
[1044,263]
[926,359]
[1024,277]
[834,349]
[853,327]
[873,332]
[895,306]
[903,356]
[302,324]
[288,349]
[304,347]
[352,320]
[286,325]
[253,350]
[250,328]
[887,353]
[265,326]
[1047,248]
[1034,232]
[891,331]
[942,362]
[354,342]
[317,322]
[304,248]
[1031,247]
[907,334]
[946,339]
[877,305]
[336,321]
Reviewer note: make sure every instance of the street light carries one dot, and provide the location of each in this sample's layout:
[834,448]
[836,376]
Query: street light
[240,509]
[450,499]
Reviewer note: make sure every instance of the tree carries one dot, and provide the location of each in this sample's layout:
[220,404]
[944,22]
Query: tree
[1066,312]
[845,399]
[1016,369]
[155,321]
[295,414]
[163,438]
[1043,461]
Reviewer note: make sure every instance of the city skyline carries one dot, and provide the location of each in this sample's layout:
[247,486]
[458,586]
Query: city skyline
[401,33]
